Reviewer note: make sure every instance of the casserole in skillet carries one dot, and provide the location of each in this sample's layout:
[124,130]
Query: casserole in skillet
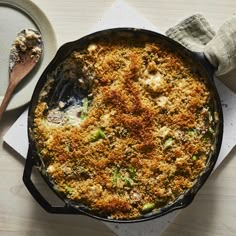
[125,124]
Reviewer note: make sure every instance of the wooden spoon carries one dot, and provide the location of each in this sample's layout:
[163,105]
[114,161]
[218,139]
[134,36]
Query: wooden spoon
[25,52]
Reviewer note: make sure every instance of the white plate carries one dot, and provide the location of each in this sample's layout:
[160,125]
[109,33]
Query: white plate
[16,15]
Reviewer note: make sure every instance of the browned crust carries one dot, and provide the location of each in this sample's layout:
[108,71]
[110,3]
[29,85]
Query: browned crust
[137,130]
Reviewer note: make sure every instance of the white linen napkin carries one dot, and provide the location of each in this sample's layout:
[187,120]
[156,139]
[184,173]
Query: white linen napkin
[196,33]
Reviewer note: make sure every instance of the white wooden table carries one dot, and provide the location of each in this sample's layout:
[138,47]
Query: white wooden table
[213,211]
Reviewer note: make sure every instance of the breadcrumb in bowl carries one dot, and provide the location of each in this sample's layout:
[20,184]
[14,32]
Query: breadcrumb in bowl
[126,125]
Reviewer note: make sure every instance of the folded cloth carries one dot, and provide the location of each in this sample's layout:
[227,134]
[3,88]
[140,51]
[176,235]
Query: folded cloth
[196,34]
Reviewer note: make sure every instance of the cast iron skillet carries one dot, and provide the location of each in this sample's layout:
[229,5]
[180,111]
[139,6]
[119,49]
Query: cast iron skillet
[33,159]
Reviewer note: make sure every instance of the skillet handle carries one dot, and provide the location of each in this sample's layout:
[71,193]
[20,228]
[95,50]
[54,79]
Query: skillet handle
[205,63]
[37,195]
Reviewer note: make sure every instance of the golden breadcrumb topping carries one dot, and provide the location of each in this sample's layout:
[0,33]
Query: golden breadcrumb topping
[139,138]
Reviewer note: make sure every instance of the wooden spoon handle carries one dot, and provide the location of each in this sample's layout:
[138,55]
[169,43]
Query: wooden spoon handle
[6,98]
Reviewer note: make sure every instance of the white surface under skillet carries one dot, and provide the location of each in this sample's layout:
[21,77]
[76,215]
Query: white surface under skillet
[16,15]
